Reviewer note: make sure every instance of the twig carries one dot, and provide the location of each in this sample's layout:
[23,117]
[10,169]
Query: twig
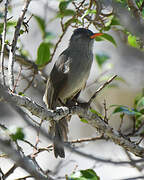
[121,122]
[101,87]
[105,112]
[13,46]
[3,42]
[10,171]
[1,173]
[18,77]
[140,141]
[132,161]
[22,162]
[86,139]
[50,147]
[24,178]
[135,10]
[55,48]
[24,140]
[22,60]
[30,83]
[134,178]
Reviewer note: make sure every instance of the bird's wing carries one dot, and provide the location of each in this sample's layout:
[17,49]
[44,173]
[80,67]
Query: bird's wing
[58,78]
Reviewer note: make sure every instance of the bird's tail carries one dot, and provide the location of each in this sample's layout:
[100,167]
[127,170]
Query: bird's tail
[60,131]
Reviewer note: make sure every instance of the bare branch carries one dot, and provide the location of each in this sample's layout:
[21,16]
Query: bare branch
[10,171]
[136,12]
[3,42]
[13,46]
[22,162]
[101,87]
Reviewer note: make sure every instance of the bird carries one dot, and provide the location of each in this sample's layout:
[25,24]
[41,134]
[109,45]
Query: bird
[66,80]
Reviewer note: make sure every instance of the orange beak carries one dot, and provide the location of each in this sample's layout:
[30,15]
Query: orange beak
[95,35]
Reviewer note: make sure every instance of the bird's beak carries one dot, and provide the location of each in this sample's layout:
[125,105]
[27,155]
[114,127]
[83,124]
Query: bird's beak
[95,35]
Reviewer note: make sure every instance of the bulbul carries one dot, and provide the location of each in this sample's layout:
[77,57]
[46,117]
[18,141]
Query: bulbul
[67,78]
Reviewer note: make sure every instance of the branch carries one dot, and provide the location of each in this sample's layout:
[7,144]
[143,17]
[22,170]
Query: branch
[93,119]
[10,171]
[13,46]
[3,41]
[101,87]
[136,12]
[22,162]
[22,60]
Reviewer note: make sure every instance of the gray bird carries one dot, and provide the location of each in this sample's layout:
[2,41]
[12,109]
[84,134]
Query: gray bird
[67,78]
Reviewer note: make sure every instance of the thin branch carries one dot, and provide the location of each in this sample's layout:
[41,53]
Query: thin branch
[22,162]
[10,171]
[139,168]
[58,42]
[86,139]
[135,10]
[22,60]
[134,178]
[3,42]
[24,178]
[14,44]
[101,87]
[18,77]
[50,147]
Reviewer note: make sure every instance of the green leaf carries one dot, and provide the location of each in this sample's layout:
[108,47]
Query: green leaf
[63,5]
[1,15]
[88,174]
[43,54]
[66,12]
[41,23]
[109,38]
[140,104]
[21,94]
[101,58]
[99,38]
[137,98]
[18,135]
[63,9]
[21,31]
[132,41]
[125,110]
[84,120]
[96,112]
[114,21]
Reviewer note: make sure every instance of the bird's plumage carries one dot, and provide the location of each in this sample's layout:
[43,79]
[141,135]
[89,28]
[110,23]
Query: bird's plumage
[67,78]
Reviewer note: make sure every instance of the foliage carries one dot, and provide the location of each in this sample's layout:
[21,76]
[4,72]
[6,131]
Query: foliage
[137,112]
[88,174]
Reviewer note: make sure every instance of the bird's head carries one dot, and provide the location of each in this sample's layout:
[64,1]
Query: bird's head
[83,37]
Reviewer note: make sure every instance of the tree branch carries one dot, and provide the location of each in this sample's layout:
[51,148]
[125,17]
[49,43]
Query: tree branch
[136,12]
[13,46]
[3,42]
[20,161]
[93,119]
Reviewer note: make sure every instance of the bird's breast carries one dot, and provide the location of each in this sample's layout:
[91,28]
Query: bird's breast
[78,74]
